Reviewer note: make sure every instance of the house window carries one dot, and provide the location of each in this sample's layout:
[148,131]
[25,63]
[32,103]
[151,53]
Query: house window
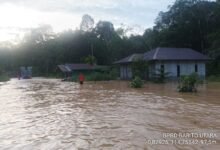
[196,68]
[178,70]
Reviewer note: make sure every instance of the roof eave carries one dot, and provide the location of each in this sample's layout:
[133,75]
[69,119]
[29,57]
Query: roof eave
[178,59]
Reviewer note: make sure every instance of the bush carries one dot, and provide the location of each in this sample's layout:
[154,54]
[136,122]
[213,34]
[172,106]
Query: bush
[137,82]
[160,76]
[101,75]
[97,76]
[188,83]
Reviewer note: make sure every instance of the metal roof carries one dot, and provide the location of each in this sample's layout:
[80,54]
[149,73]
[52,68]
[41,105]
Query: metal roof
[73,67]
[80,66]
[64,68]
[174,54]
[166,54]
[130,59]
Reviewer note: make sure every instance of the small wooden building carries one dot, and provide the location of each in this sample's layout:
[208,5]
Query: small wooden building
[26,72]
[174,61]
[70,69]
[125,65]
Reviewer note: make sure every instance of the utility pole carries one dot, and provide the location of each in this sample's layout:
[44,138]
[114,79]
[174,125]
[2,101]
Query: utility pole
[92,49]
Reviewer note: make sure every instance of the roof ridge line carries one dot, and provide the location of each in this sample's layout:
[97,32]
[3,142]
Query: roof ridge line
[155,54]
[132,57]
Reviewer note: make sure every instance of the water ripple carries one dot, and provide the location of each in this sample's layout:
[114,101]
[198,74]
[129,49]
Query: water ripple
[49,114]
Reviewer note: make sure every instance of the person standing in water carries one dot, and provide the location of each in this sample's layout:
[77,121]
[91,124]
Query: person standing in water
[81,78]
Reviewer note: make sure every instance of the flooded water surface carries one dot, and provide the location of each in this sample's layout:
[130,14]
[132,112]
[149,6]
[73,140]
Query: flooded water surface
[49,114]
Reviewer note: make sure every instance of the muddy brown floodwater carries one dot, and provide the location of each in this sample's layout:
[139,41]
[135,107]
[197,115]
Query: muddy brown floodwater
[49,114]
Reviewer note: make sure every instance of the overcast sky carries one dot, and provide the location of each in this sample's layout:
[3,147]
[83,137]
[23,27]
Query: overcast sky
[18,16]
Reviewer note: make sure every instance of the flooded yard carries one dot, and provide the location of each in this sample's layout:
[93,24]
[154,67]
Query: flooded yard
[49,114]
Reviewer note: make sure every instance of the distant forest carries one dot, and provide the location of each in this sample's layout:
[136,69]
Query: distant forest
[187,23]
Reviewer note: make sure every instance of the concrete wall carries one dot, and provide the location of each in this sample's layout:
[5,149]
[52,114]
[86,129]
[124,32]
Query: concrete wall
[152,69]
[186,67]
[125,72]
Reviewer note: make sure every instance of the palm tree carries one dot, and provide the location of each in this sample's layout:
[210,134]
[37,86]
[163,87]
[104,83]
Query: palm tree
[90,60]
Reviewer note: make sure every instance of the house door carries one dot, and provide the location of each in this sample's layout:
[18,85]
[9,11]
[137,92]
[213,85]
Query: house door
[178,70]
[196,68]
[162,69]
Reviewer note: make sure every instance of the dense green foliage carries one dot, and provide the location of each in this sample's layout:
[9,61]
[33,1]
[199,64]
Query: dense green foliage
[188,83]
[97,76]
[101,75]
[137,82]
[68,47]
[90,60]
[187,23]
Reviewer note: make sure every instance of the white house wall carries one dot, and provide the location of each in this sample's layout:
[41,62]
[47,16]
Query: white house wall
[152,69]
[129,71]
[202,69]
[186,68]
[125,72]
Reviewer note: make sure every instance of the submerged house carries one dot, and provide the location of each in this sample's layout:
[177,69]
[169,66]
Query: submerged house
[125,65]
[69,69]
[174,61]
[26,72]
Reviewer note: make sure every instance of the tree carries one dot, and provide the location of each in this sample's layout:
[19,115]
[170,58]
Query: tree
[39,34]
[109,39]
[151,38]
[87,23]
[90,60]
[104,30]
[160,75]
[186,24]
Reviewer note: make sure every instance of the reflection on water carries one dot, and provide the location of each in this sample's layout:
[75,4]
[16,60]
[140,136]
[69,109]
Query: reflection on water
[49,114]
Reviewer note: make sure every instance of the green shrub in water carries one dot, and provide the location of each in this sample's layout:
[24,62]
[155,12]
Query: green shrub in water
[137,82]
[160,76]
[188,83]
[97,76]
